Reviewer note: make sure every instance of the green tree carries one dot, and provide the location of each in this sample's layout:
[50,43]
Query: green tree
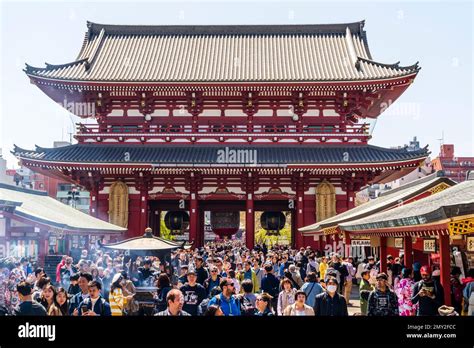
[164,231]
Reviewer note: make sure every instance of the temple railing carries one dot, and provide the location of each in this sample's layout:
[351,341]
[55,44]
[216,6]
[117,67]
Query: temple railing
[222,132]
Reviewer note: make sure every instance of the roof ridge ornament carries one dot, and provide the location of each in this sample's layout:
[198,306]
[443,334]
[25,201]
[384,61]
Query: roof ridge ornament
[351,48]
[90,60]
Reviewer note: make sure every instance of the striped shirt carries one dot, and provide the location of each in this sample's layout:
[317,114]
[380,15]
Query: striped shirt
[117,302]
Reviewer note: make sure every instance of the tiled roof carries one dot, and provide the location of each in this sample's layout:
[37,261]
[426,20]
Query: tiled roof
[38,206]
[455,201]
[388,200]
[156,154]
[236,53]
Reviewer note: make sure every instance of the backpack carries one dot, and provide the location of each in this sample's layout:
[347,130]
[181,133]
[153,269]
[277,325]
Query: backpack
[246,307]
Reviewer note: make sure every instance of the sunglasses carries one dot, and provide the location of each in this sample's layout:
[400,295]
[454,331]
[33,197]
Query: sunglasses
[230,284]
[214,271]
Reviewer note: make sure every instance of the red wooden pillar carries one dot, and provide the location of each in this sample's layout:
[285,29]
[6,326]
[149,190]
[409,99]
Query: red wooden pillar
[249,222]
[408,249]
[383,254]
[299,217]
[445,267]
[193,220]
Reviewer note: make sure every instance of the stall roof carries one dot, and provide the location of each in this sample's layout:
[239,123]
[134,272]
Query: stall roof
[385,201]
[453,202]
[38,207]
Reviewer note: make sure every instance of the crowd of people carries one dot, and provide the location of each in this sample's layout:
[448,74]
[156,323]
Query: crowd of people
[227,279]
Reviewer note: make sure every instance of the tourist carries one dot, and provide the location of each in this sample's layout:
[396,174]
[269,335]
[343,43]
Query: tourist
[404,291]
[295,276]
[247,299]
[40,285]
[66,271]
[94,304]
[365,288]
[231,274]
[175,302]
[428,294]
[270,285]
[58,268]
[48,298]
[382,300]
[83,282]
[226,299]
[299,307]
[74,287]
[286,297]
[258,270]
[213,311]
[371,266]
[248,273]
[263,305]
[456,289]
[312,266]
[117,300]
[62,302]
[145,273]
[312,288]
[213,281]
[330,303]
[163,286]
[348,264]
[201,272]
[27,306]
[129,291]
[193,293]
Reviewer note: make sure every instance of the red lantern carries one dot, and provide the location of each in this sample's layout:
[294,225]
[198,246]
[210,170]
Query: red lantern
[225,224]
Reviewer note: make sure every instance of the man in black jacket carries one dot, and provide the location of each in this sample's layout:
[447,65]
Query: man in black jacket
[428,293]
[27,305]
[145,272]
[330,303]
[270,285]
[382,301]
[201,272]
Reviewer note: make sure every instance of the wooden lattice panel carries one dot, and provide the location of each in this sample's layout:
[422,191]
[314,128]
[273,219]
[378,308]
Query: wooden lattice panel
[462,226]
[438,188]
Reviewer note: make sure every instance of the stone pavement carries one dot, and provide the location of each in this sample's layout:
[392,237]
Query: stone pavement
[355,308]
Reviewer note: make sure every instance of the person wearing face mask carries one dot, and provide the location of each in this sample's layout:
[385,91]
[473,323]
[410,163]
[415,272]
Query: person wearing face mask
[330,303]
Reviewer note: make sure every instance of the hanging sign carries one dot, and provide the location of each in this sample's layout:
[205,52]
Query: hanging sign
[429,245]
[399,243]
[360,242]
[470,244]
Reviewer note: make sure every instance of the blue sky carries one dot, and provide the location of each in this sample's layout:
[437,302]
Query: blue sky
[437,34]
